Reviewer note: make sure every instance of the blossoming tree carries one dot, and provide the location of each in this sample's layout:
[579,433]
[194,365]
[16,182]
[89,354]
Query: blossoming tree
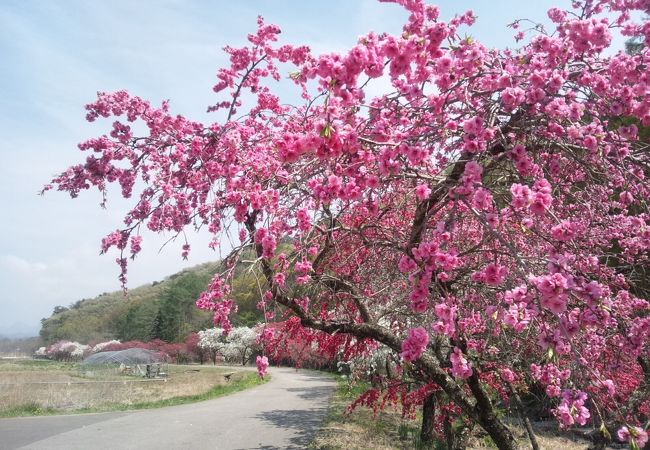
[486,216]
[212,341]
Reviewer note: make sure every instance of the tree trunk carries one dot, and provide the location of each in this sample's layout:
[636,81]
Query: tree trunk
[519,406]
[427,432]
[487,418]
[456,439]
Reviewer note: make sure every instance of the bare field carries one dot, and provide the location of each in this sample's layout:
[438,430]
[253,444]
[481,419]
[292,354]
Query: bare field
[51,385]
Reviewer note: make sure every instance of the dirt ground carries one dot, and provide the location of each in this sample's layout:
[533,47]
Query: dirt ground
[64,387]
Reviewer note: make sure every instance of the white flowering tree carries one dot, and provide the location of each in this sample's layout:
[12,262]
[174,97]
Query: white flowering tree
[102,346]
[212,341]
[241,345]
[238,347]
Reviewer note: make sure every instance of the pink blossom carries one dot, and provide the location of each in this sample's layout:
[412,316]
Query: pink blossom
[473,125]
[553,291]
[262,363]
[564,231]
[406,264]
[420,299]
[495,274]
[633,434]
[460,367]
[518,316]
[280,279]
[446,324]
[482,199]
[304,221]
[541,203]
[609,386]
[508,375]
[521,196]
[415,344]
[572,410]
[422,192]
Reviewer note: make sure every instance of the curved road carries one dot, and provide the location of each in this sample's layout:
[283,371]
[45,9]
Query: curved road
[281,414]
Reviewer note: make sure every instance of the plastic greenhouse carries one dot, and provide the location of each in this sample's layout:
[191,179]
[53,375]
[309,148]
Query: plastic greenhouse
[132,361]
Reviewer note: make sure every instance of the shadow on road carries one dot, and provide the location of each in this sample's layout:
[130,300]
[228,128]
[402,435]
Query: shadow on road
[304,422]
[313,393]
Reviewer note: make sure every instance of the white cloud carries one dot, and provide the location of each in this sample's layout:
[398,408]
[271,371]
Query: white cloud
[17,264]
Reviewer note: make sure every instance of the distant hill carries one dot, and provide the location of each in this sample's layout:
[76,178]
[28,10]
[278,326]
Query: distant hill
[18,330]
[16,346]
[160,310]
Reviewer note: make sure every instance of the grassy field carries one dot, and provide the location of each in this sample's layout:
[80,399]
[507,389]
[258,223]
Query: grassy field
[45,387]
[362,429]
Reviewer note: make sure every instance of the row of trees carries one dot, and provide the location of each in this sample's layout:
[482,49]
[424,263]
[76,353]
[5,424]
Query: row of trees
[207,345]
[485,216]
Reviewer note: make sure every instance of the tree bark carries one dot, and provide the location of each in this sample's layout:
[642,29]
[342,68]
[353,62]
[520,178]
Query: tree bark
[487,418]
[520,409]
[427,431]
[455,440]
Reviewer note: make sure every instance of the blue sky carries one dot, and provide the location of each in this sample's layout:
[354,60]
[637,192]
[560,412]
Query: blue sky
[57,55]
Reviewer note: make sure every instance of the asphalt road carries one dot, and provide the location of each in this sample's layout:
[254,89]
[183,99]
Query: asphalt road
[284,413]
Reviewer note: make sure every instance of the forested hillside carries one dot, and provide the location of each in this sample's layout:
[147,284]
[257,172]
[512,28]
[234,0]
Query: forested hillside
[160,310]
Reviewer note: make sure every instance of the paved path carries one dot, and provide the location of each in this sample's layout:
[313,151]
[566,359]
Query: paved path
[281,414]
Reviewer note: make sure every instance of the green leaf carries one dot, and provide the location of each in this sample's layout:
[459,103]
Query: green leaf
[327,131]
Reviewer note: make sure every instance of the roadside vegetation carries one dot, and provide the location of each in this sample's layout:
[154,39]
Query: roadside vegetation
[362,428]
[386,429]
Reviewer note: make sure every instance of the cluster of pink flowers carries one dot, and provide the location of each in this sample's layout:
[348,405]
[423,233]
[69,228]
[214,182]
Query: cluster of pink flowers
[268,241]
[415,344]
[406,264]
[523,162]
[634,435]
[117,239]
[460,366]
[262,363]
[214,299]
[542,198]
[520,310]
[591,35]
[551,376]
[422,192]
[572,408]
[303,270]
[565,230]
[446,325]
[493,275]
[554,290]
[471,179]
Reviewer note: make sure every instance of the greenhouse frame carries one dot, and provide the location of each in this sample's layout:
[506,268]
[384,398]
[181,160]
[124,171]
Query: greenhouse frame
[132,361]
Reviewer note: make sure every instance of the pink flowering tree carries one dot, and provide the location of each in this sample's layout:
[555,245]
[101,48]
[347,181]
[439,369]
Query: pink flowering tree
[485,217]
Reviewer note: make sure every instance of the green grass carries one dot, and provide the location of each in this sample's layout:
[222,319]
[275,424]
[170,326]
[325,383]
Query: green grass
[28,409]
[248,380]
[36,365]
